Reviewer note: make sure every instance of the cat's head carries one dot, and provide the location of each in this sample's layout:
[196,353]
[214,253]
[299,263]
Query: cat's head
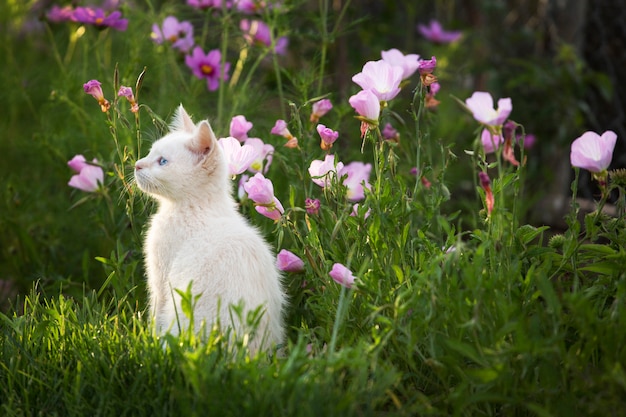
[187,163]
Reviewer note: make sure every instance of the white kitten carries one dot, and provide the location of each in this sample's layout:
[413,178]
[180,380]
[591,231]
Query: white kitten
[197,236]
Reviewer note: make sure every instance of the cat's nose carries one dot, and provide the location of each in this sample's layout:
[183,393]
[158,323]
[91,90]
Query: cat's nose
[137,166]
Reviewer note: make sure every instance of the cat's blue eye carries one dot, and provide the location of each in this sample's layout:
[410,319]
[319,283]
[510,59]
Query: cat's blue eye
[162,161]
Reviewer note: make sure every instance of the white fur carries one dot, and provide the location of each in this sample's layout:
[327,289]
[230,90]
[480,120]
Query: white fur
[198,236]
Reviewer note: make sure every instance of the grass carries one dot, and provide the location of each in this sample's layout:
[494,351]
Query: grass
[455,311]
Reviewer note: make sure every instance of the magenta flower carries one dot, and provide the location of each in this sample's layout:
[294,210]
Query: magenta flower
[256,32]
[287,261]
[481,106]
[238,156]
[58,14]
[178,34]
[357,177]
[312,206]
[323,171]
[327,135]
[427,66]
[254,6]
[367,105]
[88,176]
[490,141]
[320,108]
[261,191]
[94,89]
[239,127]
[342,275]
[128,93]
[381,78]
[435,33]
[100,19]
[592,151]
[208,66]
[274,211]
[207,4]
[264,155]
[409,63]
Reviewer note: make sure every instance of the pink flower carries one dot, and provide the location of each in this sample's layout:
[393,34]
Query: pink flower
[264,155]
[98,18]
[239,127]
[327,135]
[320,108]
[312,206]
[207,4]
[280,129]
[260,189]
[94,89]
[485,183]
[89,176]
[357,177]
[367,106]
[128,93]
[342,275]
[179,34]
[256,32]
[490,142]
[238,156]
[208,66]
[481,106]
[529,140]
[274,211]
[389,133]
[427,66]
[592,151]
[409,63]
[58,14]
[254,6]
[323,171]
[289,262]
[435,33]
[381,78]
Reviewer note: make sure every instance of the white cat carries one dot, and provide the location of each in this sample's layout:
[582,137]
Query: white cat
[198,236]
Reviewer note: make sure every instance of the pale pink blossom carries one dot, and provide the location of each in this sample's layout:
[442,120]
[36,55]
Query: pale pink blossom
[490,141]
[592,151]
[409,63]
[239,127]
[342,275]
[381,78]
[89,177]
[319,109]
[260,189]
[238,156]
[356,179]
[481,106]
[287,261]
[264,155]
[327,135]
[322,172]
[367,105]
[435,33]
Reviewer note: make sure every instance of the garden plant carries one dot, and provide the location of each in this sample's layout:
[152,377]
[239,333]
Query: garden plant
[408,294]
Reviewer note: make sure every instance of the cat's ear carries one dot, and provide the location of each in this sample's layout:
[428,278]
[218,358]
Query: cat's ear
[203,139]
[182,121]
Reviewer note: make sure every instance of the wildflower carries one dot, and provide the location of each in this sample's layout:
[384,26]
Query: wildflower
[280,129]
[529,140]
[327,135]
[409,63]
[323,171]
[435,33]
[128,93]
[312,206]
[239,128]
[429,99]
[256,32]
[491,142]
[287,261]
[99,19]
[426,68]
[367,106]
[93,88]
[208,66]
[320,108]
[593,152]
[485,183]
[342,275]
[508,129]
[178,34]
[252,6]
[239,156]
[380,78]
[58,14]
[357,177]
[481,106]
[390,134]
[264,155]
[207,4]
[261,191]
[88,176]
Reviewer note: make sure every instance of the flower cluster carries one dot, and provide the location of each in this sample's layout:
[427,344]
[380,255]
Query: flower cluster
[98,17]
[94,89]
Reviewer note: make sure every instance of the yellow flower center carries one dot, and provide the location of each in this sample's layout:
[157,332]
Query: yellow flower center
[206,69]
